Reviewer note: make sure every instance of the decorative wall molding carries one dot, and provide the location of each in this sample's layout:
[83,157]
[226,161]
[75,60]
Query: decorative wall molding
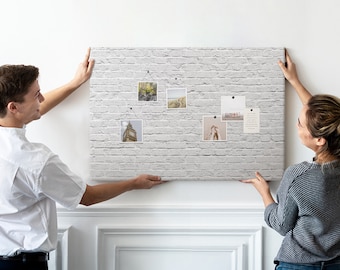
[129,237]
[112,210]
[59,257]
[176,247]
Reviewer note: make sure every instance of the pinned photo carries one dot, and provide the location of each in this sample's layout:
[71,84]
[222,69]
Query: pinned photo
[131,130]
[176,98]
[232,108]
[147,91]
[214,129]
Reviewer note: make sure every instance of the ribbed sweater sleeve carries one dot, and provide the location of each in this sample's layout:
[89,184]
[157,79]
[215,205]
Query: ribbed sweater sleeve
[281,216]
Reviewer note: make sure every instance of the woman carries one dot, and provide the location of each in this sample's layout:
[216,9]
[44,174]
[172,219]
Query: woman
[307,211]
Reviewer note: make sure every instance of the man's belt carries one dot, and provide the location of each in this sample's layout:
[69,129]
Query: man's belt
[27,257]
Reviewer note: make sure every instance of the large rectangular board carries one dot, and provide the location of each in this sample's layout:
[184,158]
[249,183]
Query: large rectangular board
[172,142]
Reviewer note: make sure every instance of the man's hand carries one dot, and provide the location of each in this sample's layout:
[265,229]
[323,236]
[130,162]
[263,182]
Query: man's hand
[103,192]
[83,73]
[146,181]
[84,70]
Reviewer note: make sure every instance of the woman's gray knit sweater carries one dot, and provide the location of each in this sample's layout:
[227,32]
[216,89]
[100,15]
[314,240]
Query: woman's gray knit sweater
[308,213]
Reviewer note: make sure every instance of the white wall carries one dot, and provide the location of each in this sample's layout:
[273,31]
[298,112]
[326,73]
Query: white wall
[55,34]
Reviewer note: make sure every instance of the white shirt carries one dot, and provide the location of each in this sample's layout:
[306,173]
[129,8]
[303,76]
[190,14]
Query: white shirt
[32,181]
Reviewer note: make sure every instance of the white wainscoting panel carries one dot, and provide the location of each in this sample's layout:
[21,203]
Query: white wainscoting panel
[180,248]
[59,257]
[161,238]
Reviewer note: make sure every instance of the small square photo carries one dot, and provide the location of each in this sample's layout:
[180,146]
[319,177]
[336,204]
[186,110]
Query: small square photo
[214,129]
[176,98]
[147,91]
[232,108]
[131,130]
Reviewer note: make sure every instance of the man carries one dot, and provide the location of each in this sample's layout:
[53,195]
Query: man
[33,179]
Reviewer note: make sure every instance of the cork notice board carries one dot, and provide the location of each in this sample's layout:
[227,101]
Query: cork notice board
[187,113]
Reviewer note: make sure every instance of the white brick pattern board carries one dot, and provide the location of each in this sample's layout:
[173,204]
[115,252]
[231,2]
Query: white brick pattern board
[172,142]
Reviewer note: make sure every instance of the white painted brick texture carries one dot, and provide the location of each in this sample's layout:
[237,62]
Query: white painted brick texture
[172,144]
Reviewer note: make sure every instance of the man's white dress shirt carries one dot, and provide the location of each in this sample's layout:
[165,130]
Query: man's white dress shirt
[32,181]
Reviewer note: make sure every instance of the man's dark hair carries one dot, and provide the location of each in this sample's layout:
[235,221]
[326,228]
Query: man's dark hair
[14,83]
